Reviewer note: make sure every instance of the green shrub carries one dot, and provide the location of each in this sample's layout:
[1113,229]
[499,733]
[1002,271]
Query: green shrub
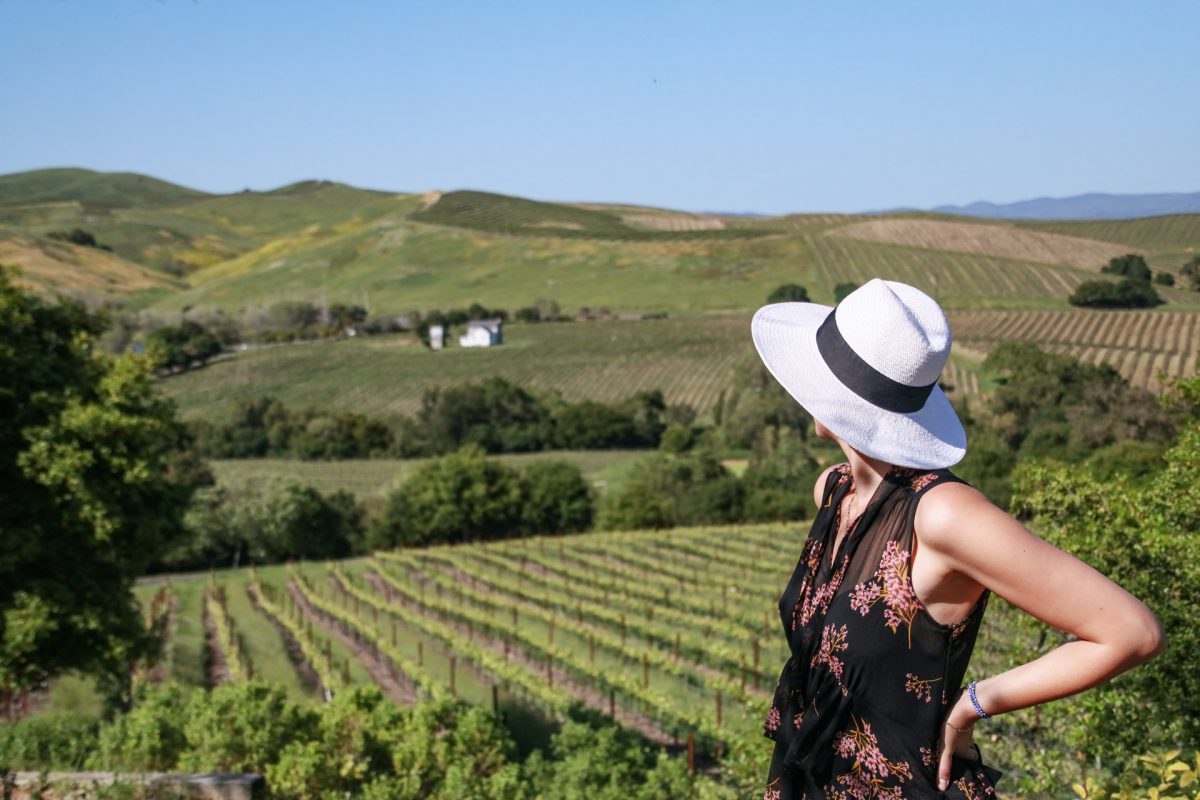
[457,497]
[557,498]
[1145,540]
[51,741]
[148,738]
[788,292]
[241,727]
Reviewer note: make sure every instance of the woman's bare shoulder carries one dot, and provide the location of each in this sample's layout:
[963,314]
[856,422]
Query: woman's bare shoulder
[953,517]
[819,486]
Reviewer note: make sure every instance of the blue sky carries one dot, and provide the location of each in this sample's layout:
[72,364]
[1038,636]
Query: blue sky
[748,106]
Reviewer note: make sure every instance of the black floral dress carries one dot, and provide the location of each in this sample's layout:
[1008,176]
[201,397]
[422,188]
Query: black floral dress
[872,675]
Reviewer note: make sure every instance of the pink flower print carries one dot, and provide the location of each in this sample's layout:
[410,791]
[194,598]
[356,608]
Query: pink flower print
[813,549]
[797,718]
[927,756]
[864,596]
[769,793]
[833,641]
[872,770]
[975,789]
[921,481]
[891,585]
[772,723]
[922,688]
[957,628]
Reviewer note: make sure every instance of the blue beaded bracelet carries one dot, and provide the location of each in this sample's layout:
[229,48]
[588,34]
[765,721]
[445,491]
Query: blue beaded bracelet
[975,702]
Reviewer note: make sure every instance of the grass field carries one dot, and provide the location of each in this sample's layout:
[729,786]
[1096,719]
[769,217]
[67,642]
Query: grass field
[374,478]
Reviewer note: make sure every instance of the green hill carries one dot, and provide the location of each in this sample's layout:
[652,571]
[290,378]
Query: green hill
[514,215]
[326,241]
[121,189]
[180,232]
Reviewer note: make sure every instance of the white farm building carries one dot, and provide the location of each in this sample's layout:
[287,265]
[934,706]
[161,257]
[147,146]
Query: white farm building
[482,333]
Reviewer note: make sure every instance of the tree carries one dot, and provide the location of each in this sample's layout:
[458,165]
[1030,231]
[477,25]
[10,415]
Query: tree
[75,236]
[589,425]
[1051,406]
[1191,271]
[95,474]
[757,401]
[647,408]
[557,498]
[292,318]
[668,489]
[458,497]
[788,292]
[1126,293]
[174,347]
[497,414]
[1164,279]
[676,439]
[344,315]
[778,484]
[1131,266]
[841,290]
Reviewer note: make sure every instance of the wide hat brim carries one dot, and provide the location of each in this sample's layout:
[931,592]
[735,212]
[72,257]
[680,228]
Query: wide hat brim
[785,336]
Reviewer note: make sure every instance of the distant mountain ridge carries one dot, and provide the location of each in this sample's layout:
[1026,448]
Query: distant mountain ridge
[1095,205]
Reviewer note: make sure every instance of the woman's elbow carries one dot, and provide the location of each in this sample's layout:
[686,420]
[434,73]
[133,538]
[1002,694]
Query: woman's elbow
[1148,639]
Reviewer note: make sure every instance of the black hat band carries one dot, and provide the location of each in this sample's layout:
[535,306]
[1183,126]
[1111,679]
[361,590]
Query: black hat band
[864,380]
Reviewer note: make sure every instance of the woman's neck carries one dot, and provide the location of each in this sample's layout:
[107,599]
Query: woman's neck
[867,472]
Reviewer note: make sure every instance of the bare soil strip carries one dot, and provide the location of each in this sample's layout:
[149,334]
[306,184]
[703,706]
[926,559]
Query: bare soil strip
[393,682]
[307,675]
[158,672]
[216,671]
[590,697]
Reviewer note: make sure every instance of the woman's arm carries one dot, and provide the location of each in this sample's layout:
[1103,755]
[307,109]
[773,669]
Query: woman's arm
[1115,631]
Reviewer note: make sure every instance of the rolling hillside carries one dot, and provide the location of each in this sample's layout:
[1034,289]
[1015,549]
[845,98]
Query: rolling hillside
[320,240]
[85,273]
[173,248]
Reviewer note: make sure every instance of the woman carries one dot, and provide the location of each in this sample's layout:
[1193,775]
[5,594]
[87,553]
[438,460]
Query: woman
[882,610]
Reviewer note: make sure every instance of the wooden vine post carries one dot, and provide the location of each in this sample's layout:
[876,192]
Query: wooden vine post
[756,653]
[453,664]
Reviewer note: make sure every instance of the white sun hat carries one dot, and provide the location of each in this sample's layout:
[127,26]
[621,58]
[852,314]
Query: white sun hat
[868,370]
